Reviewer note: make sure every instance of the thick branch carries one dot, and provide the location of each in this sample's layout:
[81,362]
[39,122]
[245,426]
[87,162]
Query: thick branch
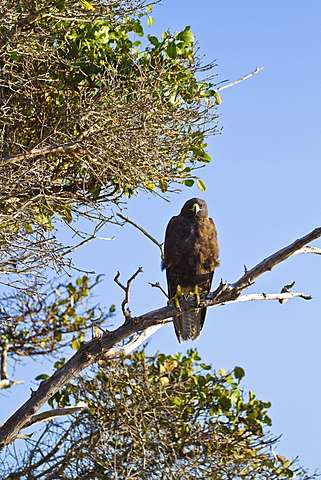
[94,350]
[278,257]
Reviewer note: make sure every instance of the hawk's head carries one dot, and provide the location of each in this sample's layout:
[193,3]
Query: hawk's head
[195,207]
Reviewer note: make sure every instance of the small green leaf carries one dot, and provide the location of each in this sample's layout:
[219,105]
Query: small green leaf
[171,50]
[138,29]
[217,98]
[153,40]
[189,183]
[75,344]
[205,158]
[150,21]
[43,376]
[201,185]
[79,281]
[239,372]
[86,4]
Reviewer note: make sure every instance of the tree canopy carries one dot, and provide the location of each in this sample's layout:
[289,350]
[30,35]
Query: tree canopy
[92,110]
[158,417]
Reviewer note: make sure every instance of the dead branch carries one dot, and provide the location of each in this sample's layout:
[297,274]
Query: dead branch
[268,263]
[137,340]
[309,250]
[51,414]
[158,285]
[6,383]
[5,347]
[95,350]
[257,70]
[125,309]
[148,235]
[282,297]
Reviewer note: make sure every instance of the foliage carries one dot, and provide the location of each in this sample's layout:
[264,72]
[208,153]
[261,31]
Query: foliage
[56,317]
[91,111]
[160,417]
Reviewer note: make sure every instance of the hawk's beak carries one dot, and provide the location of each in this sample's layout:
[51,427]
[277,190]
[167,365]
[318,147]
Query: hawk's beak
[196,208]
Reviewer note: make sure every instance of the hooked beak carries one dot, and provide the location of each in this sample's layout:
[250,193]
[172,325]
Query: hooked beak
[196,208]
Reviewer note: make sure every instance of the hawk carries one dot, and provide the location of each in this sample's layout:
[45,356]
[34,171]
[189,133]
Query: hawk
[190,258]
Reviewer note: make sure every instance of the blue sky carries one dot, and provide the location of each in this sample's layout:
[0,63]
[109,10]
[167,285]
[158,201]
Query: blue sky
[263,192]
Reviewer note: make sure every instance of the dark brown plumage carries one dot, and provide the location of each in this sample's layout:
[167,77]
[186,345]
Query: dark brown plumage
[190,258]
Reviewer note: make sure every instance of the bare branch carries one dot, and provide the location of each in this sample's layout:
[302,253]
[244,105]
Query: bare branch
[58,412]
[282,297]
[6,383]
[158,285]
[126,289]
[124,350]
[5,347]
[309,250]
[148,235]
[270,262]
[257,70]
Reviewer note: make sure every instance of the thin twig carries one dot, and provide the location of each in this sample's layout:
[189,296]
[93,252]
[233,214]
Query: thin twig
[257,70]
[158,285]
[148,235]
[81,244]
[126,289]
[6,383]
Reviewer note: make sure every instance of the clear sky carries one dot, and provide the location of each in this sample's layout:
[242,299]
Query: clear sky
[263,192]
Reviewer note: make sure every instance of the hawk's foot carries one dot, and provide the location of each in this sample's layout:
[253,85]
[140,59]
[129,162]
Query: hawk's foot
[176,297]
[197,294]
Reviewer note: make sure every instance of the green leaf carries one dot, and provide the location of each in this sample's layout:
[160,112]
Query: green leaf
[138,29]
[201,185]
[86,4]
[171,50]
[186,36]
[28,228]
[239,372]
[61,4]
[79,281]
[75,344]
[43,376]
[205,158]
[153,40]
[189,183]
[150,21]
[217,98]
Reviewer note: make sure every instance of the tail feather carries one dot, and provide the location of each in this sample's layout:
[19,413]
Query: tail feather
[188,325]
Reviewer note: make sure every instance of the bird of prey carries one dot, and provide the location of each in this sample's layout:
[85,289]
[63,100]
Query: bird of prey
[190,258]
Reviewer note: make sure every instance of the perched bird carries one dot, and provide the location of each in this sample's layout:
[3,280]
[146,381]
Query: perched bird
[190,258]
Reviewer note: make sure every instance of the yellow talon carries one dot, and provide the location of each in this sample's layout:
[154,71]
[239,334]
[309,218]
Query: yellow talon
[197,294]
[177,296]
